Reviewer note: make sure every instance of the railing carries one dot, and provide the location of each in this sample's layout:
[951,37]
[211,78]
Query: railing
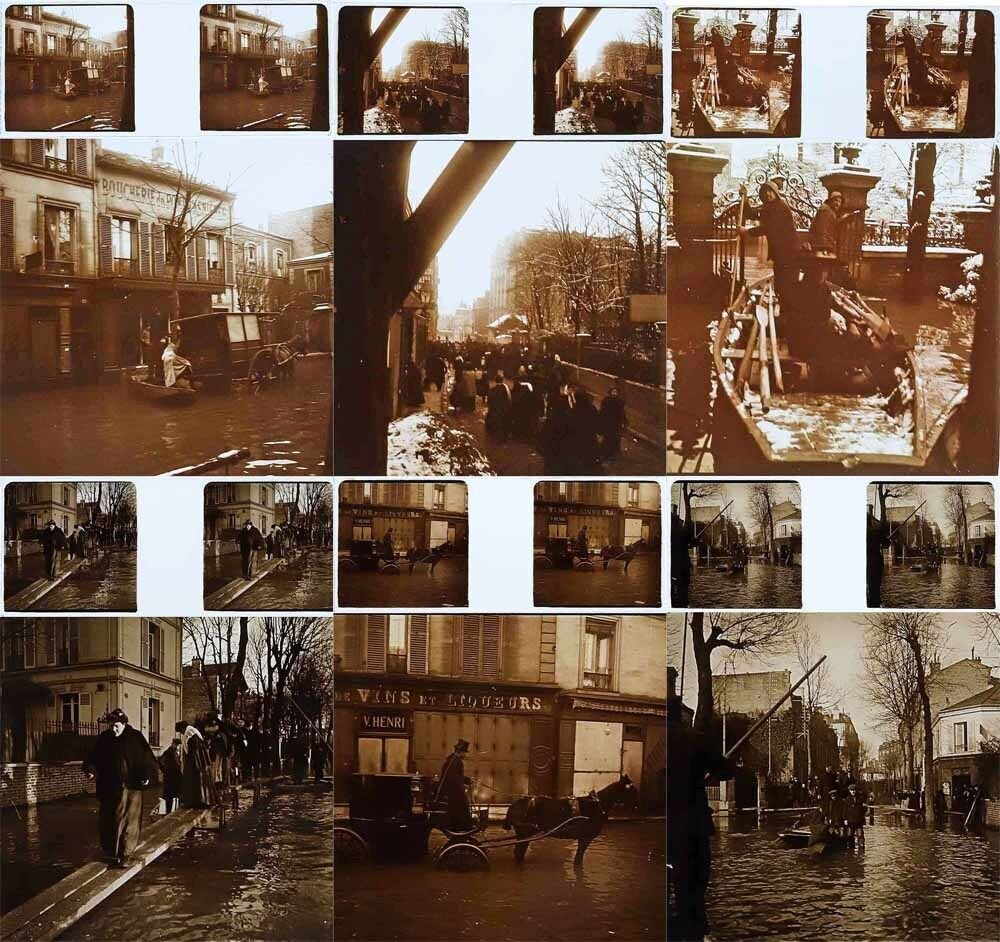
[52,267]
[57,164]
[596,681]
[126,266]
[69,726]
[760,45]
[939,234]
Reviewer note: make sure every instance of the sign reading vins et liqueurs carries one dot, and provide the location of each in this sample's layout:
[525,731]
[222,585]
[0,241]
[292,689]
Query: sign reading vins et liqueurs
[483,701]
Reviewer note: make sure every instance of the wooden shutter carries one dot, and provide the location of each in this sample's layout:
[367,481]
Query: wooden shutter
[6,234]
[159,250]
[36,151]
[201,255]
[144,638]
[144,717]
[145,260]
[79,152]
[491,645]
[50,643]
[230,272]
[375,644]
[418,644]
[104,249]
[470,644]
[190,272]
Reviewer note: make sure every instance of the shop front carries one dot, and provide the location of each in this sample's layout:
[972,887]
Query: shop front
[604,524]
[410,726]
[420,528]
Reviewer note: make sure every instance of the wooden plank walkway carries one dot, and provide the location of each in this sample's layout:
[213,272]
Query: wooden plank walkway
[38,589]
[234,589]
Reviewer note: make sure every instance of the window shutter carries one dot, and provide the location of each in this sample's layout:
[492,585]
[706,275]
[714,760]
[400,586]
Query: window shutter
[36,151]
[159,250]
[144,253]
[376,643]
[470,644]
[491,645]
[74,643]
[79,151]
[228,261]
[6,234]
[418,644]
[201,253]
[144,635]
[189,261]
[50,643]
[104,244]
[144,715]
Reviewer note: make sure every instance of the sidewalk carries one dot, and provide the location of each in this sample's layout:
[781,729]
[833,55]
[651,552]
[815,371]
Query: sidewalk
[232,590]
[38,589]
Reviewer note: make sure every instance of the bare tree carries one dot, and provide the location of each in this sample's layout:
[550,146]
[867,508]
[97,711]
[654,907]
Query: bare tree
[819,695]
[957,500]
[989,630]
[455,31]
[763,497]
[222,643]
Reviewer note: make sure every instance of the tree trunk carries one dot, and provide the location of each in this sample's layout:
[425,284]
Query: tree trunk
[703,663]
[233,686]
[925,709]
[981,105]
[320,119]
[922,198]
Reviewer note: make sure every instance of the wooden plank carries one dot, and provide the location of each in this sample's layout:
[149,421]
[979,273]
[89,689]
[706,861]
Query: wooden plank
[237,587]
[218,463]
[38,589]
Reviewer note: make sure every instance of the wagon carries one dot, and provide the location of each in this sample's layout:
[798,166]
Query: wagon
[368,556]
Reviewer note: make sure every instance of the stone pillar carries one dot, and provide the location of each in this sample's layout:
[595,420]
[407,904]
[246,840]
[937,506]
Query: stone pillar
[742,42]
[693,168]
[977,227]
[686,23]
[879,56]
[854,183]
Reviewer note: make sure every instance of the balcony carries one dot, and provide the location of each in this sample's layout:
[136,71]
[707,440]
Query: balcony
[126,266]
[57,164]
[595,680]
[52,266]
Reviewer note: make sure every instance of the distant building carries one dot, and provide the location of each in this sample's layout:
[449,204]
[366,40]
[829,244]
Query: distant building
[40,46]
[980,540]
[228,506]
[203,691]
[236,44]
[619,513]
[28,507]
[848,743]
[966,737]
[788,528]
[422,515]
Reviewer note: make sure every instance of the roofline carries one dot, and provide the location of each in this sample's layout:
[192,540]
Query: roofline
[125,162]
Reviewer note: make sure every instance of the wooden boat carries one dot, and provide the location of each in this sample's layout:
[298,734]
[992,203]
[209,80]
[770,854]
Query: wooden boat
[164,395]
[903,119]
[819,840]
[713,117]
[59,92]
[257,93]
[875,423]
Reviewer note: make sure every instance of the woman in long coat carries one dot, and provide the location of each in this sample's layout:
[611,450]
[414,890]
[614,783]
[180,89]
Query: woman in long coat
[197,784]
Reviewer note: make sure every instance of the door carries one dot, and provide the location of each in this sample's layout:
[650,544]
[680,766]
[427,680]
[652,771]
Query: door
[632,763]
[598,758]
[439,532]
[44,347]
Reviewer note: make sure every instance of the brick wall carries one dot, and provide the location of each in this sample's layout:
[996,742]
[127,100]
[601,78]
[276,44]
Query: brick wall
[645,406]
[28,783]
[992,817]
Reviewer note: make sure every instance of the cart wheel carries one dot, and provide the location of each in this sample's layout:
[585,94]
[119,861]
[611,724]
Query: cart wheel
[543,562]
[585,566]
[462,857]
[263,369]
[349,847]
[347,565]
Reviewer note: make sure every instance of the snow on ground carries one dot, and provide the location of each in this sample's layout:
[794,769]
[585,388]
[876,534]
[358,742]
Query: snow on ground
[423,444]
[380,121]
[572,121]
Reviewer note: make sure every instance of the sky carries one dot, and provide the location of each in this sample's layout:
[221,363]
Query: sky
[739,494]
[100,19]
[295,17]
[414,25]
[840,638]
[277,173]
[608,25]
[518,195]
[936,495]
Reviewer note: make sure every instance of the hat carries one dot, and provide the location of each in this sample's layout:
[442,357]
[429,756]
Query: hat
[768,185]
[462,746]
[117,716]
[176,740]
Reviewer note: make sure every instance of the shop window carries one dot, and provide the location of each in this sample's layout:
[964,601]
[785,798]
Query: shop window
[633,495]
[558,530]
[598,653]
[60,241]
[481,645]
[361,531]
[383,754]
[961,737]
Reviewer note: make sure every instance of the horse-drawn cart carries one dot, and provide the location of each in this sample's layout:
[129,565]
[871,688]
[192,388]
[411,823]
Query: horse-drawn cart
[564,553]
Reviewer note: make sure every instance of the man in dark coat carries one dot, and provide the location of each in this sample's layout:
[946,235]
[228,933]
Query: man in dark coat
[690,758]
[681,540]
[825,225]
[52,539]
[451,788]
[776,222]
[612,422]
[197,782]
[124,765]
[249,540]
[172,770]
[498,406]
[584,424]
[876,540]
[318,760]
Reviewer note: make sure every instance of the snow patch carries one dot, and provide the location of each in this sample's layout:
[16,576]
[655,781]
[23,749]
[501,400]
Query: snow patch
[424,444]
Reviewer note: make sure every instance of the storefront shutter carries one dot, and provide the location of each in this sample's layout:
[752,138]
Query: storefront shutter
[418,644]
[79,151]
[6,234]
[201,252]
[159,250]
[491,645]
[36,151]
[104,244]
[190,272]
[145,262]
[470,644]
[375,645]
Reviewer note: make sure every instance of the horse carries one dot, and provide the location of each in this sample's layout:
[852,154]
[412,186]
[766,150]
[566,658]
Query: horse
[539,814]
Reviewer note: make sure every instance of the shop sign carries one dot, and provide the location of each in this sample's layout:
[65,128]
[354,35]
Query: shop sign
[452,699]
[386,722]
[132,191]
[584,510]
[386,514]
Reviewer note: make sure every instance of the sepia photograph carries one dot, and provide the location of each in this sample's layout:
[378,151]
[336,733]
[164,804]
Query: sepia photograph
[70,546]
[931,73]
[832,307]
[69,68]
[736,73]
[931,545]
[597,544]
[159,772]
[269,547]
[822,768]
[501,308]
[403,544]
[515,762]
[185,286]
[736,544]
[598,70]
[403,70]
[264,68]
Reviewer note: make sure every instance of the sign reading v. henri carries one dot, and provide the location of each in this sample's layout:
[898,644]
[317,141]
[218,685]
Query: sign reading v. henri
[486,701]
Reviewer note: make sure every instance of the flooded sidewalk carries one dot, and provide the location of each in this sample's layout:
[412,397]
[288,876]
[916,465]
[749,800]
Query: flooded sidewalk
[103,583]
[238,109]
[303,582]
[44,111]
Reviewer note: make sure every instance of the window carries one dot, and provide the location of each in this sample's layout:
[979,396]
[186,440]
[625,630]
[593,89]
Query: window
[361,531]
[29,645]
[633,495]
[481,645]
[244,42]
[961,737]
[563,489]
[152,721]
[250,256]
[28,42]
[65,496]
[123,245]
[367,493]
[263,495]
[439,496]
[232,521]
[279,263]
[70,710]
[558,530]
[50,44]
[222,39]
[212,253]
[396,661]
[314,280]
[69,644]
[598,653]
[60,244]
[152,647]
[979,530]
[784,529]
[57,154]
[388,754]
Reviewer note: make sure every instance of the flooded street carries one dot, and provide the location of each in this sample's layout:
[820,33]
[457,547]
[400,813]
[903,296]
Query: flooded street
[952,586]
[613,586]
[286,428]
[618,893]
[761,585]
[940,331]
[907,882]
[106,583]
[269,875]
[449,586]
[304,584]
[43,111]
[236,108]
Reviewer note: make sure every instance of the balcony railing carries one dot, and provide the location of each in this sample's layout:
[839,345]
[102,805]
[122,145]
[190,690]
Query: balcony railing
[52,267]
[57,164]
[69,726]
[596,680]
[126,266]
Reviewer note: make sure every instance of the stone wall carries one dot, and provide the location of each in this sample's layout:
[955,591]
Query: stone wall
[882,268]
[645,406]
[29,783]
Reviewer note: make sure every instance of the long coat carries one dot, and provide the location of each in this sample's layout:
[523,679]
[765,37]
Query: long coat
[197,784]
[171,765]
[451,791]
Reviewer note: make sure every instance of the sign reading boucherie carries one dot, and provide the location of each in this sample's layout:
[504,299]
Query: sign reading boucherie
[486,701]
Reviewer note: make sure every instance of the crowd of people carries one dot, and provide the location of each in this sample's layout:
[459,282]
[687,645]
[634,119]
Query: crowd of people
[838,799]
[533,399]
[83,542]
[612,104]
[417,102]
[282,541]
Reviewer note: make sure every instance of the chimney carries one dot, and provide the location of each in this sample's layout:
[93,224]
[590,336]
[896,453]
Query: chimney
[196,665]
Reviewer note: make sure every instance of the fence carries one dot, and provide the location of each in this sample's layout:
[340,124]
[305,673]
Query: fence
[941,233]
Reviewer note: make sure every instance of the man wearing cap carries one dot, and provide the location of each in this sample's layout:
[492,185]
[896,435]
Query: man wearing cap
[451,788]
[249,540]
[124,765]
[52,539]
[776,222]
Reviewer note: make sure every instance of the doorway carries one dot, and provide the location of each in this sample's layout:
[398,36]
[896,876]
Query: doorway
[383,754]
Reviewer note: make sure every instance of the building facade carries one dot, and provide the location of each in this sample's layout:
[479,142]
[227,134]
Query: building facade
[41,45]
[424,515]
[981,537]
[788,529]
[61,676]
[616,513]
[551,705]
[966,736]
[29,506]
[236,44]
[229,506]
